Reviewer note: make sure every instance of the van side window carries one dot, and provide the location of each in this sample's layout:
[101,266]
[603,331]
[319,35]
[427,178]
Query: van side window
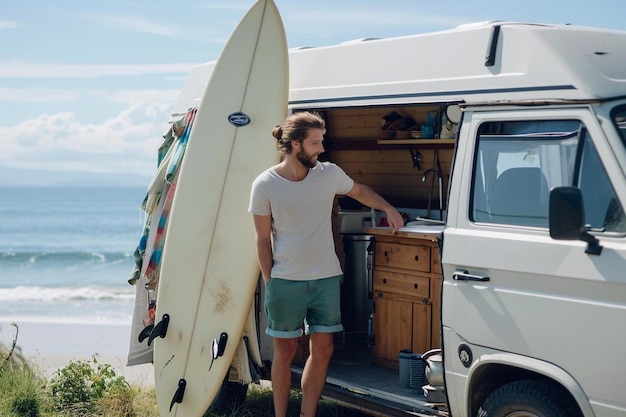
[619,118]
[603,211]
[517,163]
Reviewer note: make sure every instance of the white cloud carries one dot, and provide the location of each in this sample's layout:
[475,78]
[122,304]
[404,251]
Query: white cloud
[16,69]
[173,28]
[126,143]
[123,144]
[52,95]
[37,95]
[134,97]
[139,24]
[6,24]
[226,6]
[338,21]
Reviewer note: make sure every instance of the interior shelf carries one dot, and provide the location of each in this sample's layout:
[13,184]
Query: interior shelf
[390,144]
[415,141]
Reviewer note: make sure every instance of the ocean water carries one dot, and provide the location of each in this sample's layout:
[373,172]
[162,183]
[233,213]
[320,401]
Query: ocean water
[66,253]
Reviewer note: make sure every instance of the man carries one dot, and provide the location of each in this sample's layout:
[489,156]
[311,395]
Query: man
[292,204]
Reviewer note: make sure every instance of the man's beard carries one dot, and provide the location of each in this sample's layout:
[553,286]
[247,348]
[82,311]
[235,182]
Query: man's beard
[309,161]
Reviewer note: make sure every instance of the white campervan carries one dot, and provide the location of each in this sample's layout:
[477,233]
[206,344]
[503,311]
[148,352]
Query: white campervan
[511,139]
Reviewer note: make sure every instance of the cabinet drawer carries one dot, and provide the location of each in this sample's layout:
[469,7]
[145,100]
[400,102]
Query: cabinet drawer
[396,255]
[399,283]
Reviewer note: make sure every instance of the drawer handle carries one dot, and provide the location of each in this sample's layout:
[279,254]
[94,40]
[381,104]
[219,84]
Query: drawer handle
[385,253]
[415,286]
[384,280]
[417,258]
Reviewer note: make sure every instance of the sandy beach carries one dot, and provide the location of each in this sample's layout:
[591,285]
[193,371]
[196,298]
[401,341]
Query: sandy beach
[51,346]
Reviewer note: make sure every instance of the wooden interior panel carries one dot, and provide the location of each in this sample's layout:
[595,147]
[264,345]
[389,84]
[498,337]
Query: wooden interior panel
[435,292]
[421,328]
[391,315]
[364,123]
[389,170]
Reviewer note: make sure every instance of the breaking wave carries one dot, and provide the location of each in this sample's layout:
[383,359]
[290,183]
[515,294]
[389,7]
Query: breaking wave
[53,295]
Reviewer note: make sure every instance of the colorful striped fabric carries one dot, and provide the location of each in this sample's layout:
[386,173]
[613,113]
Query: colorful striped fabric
[147,256]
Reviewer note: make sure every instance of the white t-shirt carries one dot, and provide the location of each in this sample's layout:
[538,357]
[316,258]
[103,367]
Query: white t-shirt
[303,244]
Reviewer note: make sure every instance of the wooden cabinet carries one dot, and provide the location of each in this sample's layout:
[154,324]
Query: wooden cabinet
[406,289]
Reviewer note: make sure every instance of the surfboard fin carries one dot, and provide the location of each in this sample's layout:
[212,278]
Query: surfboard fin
[179,394]
[160,329]
[145,333]
[218,347]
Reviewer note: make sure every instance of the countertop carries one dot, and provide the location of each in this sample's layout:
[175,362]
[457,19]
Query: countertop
[430,232]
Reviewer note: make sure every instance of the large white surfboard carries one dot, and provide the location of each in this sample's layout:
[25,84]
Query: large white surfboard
[209,269]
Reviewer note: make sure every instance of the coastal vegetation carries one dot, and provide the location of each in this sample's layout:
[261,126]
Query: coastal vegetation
[92,389]
[80,389]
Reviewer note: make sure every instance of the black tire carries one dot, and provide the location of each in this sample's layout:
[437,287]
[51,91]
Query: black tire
[231,396]
[528,398]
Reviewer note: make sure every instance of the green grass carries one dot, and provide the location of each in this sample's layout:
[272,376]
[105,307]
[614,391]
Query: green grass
[80,389]
[92,389]
[259,404]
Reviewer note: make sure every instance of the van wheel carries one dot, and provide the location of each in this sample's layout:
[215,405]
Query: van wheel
[231,396]
[528,398]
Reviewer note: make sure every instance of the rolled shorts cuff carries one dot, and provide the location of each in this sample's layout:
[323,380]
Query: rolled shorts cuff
[278,334]
[323,329]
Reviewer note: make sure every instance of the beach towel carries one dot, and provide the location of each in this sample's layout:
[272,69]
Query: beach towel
[156,188]
[147,256]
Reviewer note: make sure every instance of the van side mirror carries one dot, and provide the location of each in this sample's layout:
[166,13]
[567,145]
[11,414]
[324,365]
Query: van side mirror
[567,218]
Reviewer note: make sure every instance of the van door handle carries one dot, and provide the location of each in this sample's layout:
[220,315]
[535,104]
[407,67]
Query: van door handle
[460,275]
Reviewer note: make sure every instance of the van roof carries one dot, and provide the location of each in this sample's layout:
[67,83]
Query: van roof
[479,62]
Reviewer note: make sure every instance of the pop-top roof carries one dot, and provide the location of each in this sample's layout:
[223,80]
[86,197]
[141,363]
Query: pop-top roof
[481,62]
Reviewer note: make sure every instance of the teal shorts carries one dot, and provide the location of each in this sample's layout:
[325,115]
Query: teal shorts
[290,304]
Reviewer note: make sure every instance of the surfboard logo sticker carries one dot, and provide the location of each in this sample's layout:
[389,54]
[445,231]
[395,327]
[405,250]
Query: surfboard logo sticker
[239,119]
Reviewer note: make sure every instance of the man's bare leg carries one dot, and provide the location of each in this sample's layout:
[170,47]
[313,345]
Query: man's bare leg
[315,370]
[284,351]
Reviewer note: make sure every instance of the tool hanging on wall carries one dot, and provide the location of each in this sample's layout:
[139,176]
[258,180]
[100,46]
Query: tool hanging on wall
[416,157]
[432,185]
[441,199]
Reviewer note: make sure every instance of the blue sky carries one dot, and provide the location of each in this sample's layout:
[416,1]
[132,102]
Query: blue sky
[86,86]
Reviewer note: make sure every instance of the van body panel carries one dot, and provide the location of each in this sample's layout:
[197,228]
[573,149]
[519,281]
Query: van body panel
[534,62]
[466,381]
